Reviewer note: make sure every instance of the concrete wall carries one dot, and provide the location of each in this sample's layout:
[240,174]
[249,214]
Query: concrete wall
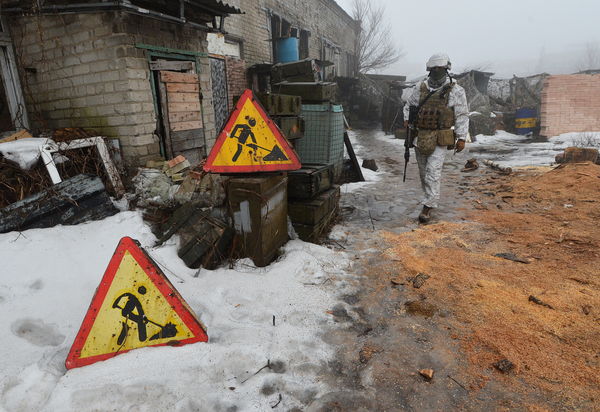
[325,19]
[84,70]
[570,103]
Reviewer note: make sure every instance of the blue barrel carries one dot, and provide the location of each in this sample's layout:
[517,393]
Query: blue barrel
[525,120]
[287,50]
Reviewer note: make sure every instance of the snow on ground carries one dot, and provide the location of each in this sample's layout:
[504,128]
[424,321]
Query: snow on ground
[369,175]
[517,151]
[49,277]
[25,152]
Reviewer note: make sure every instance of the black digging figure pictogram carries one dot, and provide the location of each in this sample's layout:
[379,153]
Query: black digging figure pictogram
[133,311]
[245,132]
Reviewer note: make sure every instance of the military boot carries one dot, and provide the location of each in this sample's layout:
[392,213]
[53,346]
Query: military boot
[425,215]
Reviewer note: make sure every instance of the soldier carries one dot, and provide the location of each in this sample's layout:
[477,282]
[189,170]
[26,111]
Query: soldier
[442,122]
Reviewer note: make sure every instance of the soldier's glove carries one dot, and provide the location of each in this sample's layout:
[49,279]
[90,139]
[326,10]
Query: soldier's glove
[459,146]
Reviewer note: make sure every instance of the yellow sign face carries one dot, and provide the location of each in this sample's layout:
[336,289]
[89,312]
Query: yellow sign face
[135,306]
[134,314]
[525,123]
[250,142]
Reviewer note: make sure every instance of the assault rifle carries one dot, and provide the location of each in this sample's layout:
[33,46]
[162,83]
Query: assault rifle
[411,133]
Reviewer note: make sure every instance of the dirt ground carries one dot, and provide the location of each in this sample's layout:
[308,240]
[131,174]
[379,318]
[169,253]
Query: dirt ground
[541,312]
[499,295]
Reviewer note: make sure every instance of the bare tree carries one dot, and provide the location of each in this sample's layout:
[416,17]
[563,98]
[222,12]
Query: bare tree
[374,47]
[590,59]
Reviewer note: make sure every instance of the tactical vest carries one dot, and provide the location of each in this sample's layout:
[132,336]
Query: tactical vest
[435,119]
[435,113]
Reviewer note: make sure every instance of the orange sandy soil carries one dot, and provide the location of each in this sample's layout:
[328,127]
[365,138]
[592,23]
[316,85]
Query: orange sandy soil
[551,219]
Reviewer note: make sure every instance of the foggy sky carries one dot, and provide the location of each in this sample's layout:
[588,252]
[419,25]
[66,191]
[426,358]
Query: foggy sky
[512,37]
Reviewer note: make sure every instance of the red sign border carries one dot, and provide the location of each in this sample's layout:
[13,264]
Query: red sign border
[159,280]
[288,149]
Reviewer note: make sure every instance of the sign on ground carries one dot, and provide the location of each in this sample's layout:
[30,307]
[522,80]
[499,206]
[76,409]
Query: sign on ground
[135,306]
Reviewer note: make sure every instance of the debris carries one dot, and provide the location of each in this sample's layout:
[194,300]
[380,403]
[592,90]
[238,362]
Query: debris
[367,352]
[25,152]
[426,373]
[504,365]
[76,200]
[111,171]
[274,405]
[397,281]
[21,134]
[497,167]
[586,309]
[458,383]
[153,187]
[370,164]
[471,165]
[539,302]
[155,164]
[512,256]
[176,165]
[268,365]
[353,160]
[577,155]
[204,240]
[419,280]
[67,134]
[417,307]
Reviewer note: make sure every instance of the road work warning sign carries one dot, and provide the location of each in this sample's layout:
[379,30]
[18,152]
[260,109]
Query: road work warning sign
[251,142]
[135,306]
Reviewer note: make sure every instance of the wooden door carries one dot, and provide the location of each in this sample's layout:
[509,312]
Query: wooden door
[181,113]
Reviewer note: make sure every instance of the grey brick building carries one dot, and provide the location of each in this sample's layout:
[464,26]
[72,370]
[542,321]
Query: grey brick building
[96,65]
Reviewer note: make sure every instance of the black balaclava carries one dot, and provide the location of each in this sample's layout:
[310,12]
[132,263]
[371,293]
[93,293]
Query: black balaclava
[437,77]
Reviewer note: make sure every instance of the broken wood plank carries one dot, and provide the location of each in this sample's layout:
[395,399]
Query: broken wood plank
[73,201]
[183,97]
[184,107]
[21,134]
[175,77]
[186,126]
[497,167]
[171,65]
[353,158]
[183,87]
[177,117]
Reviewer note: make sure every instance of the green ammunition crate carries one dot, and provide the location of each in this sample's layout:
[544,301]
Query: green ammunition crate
[313,211]
[315,92]
[292,127]
[280,104]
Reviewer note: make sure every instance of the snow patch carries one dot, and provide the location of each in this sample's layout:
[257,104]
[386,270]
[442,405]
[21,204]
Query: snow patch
[50,276]
[25,152]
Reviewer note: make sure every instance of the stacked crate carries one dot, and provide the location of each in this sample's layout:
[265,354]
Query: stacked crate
[284,110]
[323,140]
[313,200]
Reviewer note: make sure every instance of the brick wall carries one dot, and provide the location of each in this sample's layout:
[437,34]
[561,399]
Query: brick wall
[88,73]
[236,78]
[570,103]
[323,18]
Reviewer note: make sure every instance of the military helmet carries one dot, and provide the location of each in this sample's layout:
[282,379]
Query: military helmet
[439,60]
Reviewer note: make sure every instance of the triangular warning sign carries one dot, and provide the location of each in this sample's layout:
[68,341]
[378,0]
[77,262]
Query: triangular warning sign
[135,306]
[250,142]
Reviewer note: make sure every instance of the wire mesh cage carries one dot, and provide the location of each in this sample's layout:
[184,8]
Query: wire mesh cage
[323,140]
